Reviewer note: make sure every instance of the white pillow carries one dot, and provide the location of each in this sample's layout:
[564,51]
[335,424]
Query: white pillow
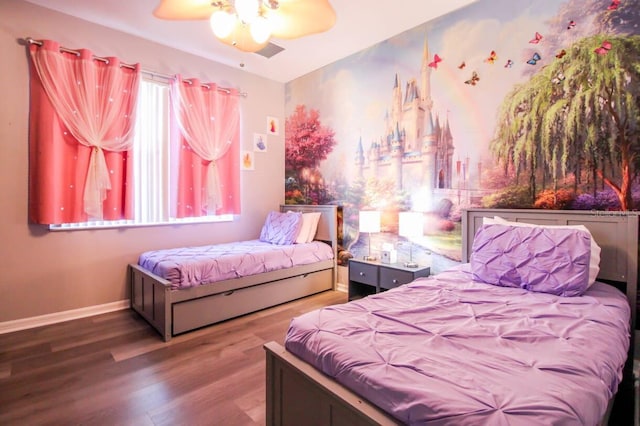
[309,227]
[492,220]
[315,219]
[594,261]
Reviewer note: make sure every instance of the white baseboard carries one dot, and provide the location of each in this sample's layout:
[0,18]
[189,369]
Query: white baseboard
[341,287]
[32,322]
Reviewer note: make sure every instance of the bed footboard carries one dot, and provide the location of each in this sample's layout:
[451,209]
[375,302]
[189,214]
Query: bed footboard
[297,393]
[150,298]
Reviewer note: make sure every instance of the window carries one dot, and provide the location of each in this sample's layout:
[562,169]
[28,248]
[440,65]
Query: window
[154,168]
[109,147]
[151,154]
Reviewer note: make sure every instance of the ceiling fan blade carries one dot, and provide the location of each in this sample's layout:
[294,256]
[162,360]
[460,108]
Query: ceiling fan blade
[184,9]
[297,18]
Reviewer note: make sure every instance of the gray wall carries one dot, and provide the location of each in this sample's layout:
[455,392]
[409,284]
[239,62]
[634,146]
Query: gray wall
[43,272]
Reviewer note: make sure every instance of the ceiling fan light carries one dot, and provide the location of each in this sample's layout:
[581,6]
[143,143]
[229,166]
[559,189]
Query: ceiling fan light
[247,10]
[232,20]
[260,29]
[222,23]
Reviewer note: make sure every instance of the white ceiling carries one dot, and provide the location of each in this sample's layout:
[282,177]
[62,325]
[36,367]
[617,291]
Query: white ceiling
[359,25]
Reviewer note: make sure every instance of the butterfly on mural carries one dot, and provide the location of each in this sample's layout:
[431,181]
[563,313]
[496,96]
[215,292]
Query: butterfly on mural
[604,48]
[509,63]
[492,57]
[536,39]
[436,60]
[571,24]
[473,80]
[559,78]
[534,59]
[614,5]
[561,54]
[462,65]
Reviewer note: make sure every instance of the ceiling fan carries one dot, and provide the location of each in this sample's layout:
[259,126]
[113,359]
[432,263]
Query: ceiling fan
[249,24]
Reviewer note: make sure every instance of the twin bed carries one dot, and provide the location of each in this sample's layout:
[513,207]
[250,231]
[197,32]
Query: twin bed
[473,345]
[184,289]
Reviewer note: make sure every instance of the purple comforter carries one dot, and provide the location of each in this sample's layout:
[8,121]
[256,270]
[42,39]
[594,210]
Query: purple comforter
[193,266]
[445,350]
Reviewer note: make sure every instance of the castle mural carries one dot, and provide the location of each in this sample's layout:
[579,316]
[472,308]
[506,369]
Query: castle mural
[527,104]
[413,152]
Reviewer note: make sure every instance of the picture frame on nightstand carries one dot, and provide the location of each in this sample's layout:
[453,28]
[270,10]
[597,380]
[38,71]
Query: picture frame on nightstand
[388,256]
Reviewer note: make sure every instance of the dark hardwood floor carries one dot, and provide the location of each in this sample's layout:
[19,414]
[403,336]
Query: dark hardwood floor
[115,369]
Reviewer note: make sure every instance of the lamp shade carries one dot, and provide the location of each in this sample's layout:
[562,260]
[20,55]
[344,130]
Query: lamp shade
[369,221]
[260,29]
[222,23]
[410,224]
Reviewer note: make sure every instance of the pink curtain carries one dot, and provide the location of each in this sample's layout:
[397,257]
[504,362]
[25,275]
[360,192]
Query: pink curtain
[82,117]
[209,137]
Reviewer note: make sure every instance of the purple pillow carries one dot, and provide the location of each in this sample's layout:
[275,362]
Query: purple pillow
[546,260]
[281,228]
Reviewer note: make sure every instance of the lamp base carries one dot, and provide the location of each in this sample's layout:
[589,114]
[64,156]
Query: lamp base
[411,265]
[369,258]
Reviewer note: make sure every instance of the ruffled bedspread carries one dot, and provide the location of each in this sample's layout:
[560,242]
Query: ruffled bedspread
[445,350]
[192,266]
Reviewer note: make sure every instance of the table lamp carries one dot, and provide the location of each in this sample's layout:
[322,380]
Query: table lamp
[410,226]
[369,221]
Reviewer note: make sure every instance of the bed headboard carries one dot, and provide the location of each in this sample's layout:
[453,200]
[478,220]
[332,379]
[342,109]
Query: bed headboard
[615,232]
[327,225]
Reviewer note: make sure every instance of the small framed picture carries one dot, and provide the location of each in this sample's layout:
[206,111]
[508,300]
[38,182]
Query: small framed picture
[247,161]
[259,142]
[273,128]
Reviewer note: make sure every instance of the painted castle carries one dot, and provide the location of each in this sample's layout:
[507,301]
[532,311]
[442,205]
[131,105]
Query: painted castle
[416,151]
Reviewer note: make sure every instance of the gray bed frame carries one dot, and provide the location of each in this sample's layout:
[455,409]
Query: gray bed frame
[173,312]
[297,393]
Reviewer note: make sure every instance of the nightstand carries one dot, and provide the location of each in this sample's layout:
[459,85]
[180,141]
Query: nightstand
[370,277]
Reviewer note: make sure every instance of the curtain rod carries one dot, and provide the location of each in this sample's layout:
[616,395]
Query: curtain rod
[149,72]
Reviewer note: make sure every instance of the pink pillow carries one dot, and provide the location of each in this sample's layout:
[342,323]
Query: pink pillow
[281,228]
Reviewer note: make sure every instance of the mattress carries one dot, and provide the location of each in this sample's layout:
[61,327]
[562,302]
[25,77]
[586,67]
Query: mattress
[445,350]
[192,266]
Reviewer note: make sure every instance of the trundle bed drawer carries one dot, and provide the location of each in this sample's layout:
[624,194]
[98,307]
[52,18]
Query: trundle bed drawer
[222,306]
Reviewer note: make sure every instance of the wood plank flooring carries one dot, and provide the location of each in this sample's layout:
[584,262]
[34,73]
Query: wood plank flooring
[115,369]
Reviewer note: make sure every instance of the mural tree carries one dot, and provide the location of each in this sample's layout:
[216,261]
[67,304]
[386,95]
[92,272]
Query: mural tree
[307,142]
[579,113]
